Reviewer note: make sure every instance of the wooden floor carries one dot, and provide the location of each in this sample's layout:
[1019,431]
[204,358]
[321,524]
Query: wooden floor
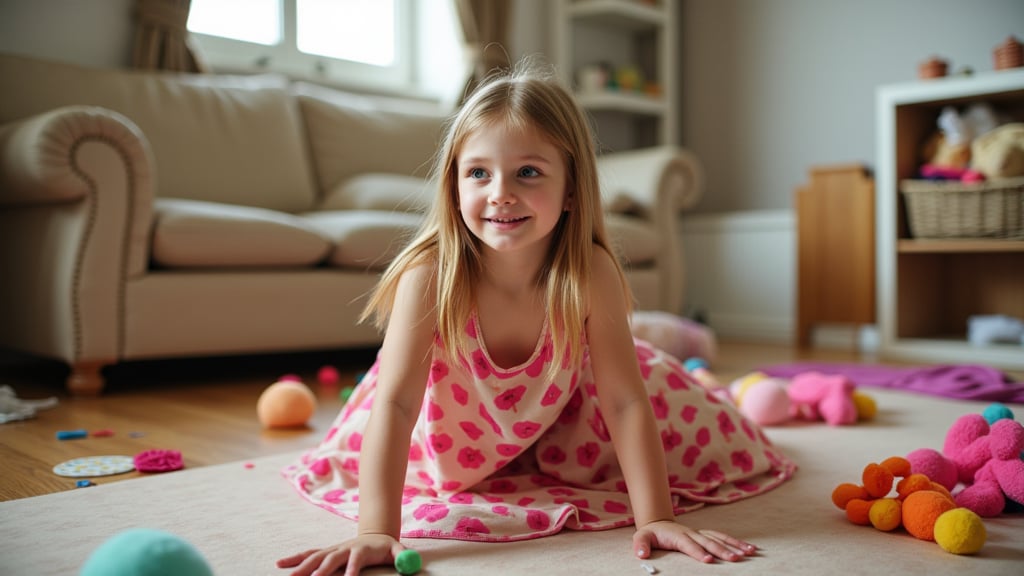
[206,410]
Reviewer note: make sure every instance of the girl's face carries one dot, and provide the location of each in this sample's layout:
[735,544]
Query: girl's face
[512,188]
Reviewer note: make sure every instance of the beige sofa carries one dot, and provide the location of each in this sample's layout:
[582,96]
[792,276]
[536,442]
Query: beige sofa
[149,216]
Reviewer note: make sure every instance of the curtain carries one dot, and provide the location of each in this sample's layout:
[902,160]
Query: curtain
[162,39]
[485,27]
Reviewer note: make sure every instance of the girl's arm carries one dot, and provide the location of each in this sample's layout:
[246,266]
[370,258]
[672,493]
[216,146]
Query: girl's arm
[401,383]
[629,417]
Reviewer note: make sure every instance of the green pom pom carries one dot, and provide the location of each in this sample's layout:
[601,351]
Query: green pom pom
[146,552]
[345,393]
[996,411]
[408,562]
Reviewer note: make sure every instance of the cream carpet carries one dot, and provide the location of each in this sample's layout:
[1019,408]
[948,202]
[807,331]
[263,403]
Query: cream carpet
[242,519]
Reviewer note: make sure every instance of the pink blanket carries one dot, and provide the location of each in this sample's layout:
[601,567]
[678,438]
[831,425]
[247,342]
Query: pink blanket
[960,381]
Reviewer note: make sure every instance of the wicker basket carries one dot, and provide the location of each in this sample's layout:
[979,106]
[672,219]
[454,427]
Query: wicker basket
[954,209]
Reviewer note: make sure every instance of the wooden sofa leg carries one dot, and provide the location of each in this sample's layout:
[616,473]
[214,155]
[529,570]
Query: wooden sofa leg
[86,379]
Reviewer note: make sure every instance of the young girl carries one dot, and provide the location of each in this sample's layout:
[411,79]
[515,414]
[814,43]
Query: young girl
[509,399]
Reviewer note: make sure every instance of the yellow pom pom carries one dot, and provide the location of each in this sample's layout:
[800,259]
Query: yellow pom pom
[960,531]
[866,406]
[886,514]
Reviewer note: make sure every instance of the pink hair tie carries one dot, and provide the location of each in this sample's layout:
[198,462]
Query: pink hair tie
[158,461]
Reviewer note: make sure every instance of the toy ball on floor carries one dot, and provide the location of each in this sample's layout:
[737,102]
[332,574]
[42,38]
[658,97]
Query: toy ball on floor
[285,404]
[146,552]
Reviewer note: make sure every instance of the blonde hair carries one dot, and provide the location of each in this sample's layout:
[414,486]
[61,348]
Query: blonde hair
[524,96]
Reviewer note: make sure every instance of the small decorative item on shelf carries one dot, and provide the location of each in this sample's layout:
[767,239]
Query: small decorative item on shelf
[933,67]
[593,78]
[1009,54]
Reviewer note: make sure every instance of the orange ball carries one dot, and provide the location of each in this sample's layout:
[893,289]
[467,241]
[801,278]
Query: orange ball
[886,514]
[920,511]
[858,511]
[877,480]
[898,465]
[911,484]
[845,492]
[285,404]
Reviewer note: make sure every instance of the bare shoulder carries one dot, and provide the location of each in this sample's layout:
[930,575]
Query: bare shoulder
[415,298]
[606,281]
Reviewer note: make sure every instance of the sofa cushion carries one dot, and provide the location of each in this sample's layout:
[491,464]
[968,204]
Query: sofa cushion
[366,239]
[351,134]
[230,139]
[195,234]
[380,192]
[634,239]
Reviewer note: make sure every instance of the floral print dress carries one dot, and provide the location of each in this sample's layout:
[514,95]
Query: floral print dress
[512,454]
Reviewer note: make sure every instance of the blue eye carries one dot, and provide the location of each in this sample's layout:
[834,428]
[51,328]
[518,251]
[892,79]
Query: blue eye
[528,172]
[477,173]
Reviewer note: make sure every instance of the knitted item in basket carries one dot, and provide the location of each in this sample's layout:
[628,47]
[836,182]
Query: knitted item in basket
[952,209]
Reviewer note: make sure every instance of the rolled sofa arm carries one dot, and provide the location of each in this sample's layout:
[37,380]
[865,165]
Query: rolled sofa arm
[656,184]
[76,200]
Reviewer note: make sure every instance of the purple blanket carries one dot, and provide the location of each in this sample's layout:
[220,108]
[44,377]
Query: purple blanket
[962,381]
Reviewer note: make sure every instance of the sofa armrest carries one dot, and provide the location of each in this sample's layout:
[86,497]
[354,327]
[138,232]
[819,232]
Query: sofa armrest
[656,185]
[76,201]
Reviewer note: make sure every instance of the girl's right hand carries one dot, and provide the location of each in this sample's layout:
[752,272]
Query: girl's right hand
[353,555]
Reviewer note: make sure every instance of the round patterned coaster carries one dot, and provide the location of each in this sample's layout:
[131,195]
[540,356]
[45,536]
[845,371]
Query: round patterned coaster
[90,466]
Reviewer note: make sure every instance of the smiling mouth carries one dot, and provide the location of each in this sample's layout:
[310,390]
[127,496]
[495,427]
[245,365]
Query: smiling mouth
[507,220]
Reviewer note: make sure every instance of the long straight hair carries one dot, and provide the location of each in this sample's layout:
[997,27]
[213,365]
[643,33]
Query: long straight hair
[518,98]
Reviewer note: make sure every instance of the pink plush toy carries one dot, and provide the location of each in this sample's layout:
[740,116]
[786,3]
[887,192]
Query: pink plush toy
[680,337]
[762,399]
[817,396]
[1002,476]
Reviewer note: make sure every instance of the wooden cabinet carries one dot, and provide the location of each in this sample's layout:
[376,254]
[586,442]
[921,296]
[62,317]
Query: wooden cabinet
[617,35]
[928,288]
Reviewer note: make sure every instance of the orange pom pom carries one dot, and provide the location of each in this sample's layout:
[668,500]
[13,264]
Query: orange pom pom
[858,511]
[846,492]
[920,511]
[285,404]
[942,490]
[886,514]
[898,465]
[877,480]
[911,484]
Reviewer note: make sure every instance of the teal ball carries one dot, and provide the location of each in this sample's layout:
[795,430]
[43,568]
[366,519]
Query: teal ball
[996,411]
[408,562]
[146,552]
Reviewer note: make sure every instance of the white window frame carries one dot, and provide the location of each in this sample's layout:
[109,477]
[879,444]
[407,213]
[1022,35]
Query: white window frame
[238,56]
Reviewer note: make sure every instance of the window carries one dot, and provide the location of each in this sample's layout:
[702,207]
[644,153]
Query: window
[367,43]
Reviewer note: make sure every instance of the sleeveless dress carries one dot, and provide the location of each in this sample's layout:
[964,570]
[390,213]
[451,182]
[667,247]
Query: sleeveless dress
[507,454]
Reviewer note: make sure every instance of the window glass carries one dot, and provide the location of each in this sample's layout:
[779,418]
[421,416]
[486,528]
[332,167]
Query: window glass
[261,23]
[357,30]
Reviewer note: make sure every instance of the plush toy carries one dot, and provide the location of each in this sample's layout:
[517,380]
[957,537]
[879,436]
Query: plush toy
[1002,476]
[809,395]
[818,396]
[999,153]
[985,458]
[922,507]
[285,404]
[762,399]
[680,337]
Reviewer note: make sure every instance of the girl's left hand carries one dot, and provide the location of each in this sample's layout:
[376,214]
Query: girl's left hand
[701,545]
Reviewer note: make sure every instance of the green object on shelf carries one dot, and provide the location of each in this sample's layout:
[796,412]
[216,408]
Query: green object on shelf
[408,562]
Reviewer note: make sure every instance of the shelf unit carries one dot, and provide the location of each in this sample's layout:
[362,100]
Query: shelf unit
[928,288]
[619,33]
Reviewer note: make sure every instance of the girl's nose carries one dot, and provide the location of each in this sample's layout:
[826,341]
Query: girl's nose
[500,193]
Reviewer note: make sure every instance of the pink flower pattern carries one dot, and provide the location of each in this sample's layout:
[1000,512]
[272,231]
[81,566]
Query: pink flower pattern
[505,454]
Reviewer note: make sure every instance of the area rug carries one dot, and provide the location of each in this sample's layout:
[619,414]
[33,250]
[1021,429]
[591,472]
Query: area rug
[243,518]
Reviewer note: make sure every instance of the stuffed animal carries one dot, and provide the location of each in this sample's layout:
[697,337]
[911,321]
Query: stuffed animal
[1002,476]
[680,337]
[985,458]
[809,396]
[999,153]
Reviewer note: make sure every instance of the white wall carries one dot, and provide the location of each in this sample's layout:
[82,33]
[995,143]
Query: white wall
[87,32]
[773,87]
